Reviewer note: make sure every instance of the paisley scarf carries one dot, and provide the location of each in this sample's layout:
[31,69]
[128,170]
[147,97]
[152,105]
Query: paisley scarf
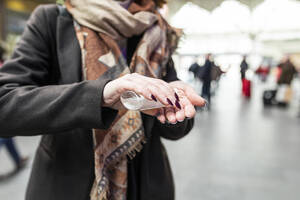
[101,27]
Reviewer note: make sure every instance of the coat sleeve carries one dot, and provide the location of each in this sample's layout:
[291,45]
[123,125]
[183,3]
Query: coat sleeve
[173,131]
[170,131]
[30,105]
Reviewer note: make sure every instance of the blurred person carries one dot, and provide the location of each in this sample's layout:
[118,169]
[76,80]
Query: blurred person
[263,71]
[287,71]
[65,79]
[194,68]
[246,83]
[20,162]
[206,77]
[216,73]
[244,67]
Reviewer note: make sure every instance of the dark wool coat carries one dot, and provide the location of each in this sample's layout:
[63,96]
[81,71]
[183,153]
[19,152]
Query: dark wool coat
[42,93]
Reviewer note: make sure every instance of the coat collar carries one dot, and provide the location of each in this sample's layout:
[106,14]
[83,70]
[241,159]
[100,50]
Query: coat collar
[68,49]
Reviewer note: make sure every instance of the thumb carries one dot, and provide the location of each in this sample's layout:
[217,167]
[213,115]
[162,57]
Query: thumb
[194,98]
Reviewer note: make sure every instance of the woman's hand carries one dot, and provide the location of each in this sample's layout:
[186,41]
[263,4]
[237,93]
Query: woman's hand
[191,94]
[178,97]
[151,88]
[188,98]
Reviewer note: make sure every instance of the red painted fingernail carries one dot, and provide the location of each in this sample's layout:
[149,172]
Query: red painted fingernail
[178,105]
[153,97]
[177,97]
[169,101]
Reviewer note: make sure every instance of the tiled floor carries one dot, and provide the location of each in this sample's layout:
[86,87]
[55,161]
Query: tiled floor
[237,151]
[14,188]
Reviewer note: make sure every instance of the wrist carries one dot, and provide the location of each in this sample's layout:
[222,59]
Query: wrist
[107,97]
[111,94]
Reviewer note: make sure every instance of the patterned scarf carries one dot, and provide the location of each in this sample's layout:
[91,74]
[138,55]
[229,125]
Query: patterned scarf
[101,26]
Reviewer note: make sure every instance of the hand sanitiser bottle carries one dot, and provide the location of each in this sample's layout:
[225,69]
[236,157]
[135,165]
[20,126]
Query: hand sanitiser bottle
[134,101]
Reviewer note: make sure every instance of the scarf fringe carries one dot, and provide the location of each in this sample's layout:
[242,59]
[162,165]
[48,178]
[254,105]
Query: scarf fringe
[138,148]
[103,196]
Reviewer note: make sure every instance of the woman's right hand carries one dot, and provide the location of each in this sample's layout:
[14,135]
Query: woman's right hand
[151,88]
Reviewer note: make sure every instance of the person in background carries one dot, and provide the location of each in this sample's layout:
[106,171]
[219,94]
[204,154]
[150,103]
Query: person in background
[207,78]
[244,67]
[194,68]
[287,73]
[20,162]
[246,83]
[263,71]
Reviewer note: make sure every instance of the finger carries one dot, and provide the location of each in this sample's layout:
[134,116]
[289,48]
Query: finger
[166,88]
[180,115]
[160,94]
[161,117]
[192,95]
[151,89]
[194,98]
[170,115]
[135,83]
[180,104]
[189,109]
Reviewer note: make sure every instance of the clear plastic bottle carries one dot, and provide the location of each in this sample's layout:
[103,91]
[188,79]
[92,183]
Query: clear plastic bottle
[134,101]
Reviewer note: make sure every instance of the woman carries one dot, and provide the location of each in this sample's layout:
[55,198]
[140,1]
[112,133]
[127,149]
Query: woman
[287,73]
[64,81]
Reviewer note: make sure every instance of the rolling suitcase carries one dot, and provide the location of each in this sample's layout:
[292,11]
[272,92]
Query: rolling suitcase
[246,88]
[269,97]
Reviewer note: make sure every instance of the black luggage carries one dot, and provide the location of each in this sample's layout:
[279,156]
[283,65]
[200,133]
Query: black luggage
[269,97]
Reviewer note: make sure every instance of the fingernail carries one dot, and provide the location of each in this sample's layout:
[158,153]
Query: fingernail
[153,97]
[178,105]
[181,120]
[177,97]
[169,101]
[157,114]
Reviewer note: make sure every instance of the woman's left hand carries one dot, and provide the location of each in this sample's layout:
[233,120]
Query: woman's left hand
[188,98]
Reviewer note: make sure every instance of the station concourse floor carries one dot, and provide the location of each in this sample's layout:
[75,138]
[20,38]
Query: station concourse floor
[239,150]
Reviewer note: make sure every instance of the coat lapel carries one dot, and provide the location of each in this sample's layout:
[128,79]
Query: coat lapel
[68,49]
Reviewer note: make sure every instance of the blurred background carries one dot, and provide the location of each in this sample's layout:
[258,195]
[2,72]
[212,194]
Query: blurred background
[243,56]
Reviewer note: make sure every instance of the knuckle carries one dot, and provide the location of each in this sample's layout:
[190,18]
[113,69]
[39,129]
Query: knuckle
[139,89]
[127,76]
[152,87]
[135,74]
